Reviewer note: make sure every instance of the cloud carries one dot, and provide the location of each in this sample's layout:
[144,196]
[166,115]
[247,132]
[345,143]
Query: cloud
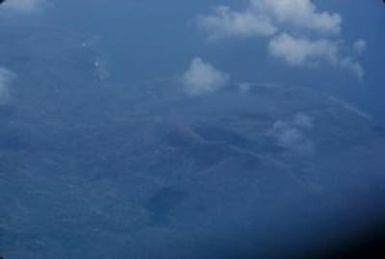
[203,78]
[302,14]
[264,17]
[246,87]
[25,6]
[300,51]
[6,78]
[351,64]
[303,121]
[349,107]
[360,46]
[278,20]
[292,136]
[226,23]
[101,69]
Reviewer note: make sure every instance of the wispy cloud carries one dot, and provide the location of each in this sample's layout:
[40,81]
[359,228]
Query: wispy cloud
[360,46]
[25,6]
[203,78]
[303,121]
[6,78]
[349,107]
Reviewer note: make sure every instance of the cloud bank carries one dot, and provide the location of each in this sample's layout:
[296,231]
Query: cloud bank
[278,21]
[202,78]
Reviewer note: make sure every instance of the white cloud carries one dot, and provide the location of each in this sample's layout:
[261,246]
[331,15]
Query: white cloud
[25,6]
[274,19]
[292,136]
[303,51]
[203,78]
[226,23]
[264,17]
[302,14]
[6,78]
